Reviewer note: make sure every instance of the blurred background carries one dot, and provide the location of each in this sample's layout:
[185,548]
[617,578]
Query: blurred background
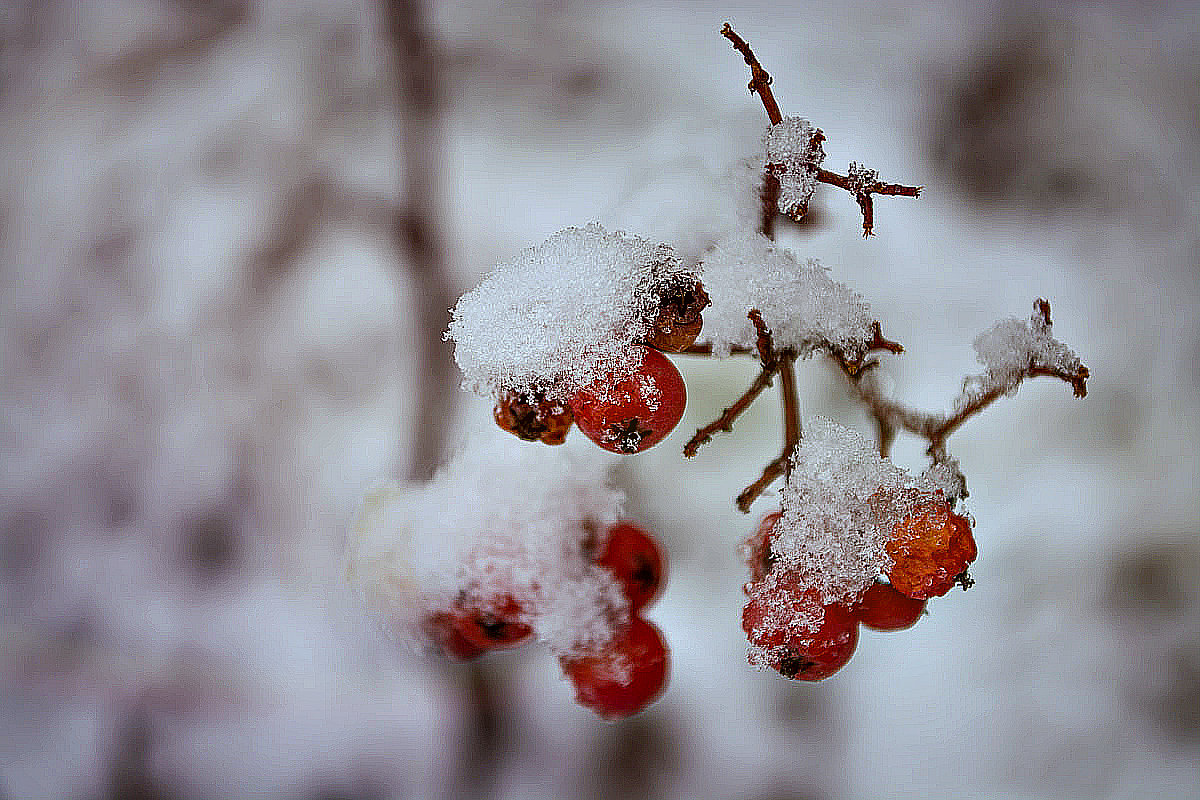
[229,232]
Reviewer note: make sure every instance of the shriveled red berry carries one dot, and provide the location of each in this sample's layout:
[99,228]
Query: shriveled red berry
[882,608]
[629,414]
[796,634]
[931,547]
[624,677]
[757,549]
[496,625]
[442,628]
[679,321]
[532,417]
[636,561]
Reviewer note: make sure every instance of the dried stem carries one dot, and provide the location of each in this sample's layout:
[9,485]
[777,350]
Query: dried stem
[862,193]
[725,421]
[760,81]
[769,474]
[791,409]
[415,228]
[770,365]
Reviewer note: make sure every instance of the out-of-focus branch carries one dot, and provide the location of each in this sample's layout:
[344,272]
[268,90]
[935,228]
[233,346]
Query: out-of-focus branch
[415,227]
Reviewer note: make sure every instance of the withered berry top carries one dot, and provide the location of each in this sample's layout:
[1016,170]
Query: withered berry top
[804,308]
[563,314]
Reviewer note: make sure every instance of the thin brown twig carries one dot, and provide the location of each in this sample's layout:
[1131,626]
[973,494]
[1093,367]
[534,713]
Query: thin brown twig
[769,474]
[891,416]
[770,204]
[770,365]
[792,429]
[725,422]
[760,81]
[862,193]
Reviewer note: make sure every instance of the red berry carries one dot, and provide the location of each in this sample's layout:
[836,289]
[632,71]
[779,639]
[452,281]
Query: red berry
[497,625]
[802,638]
[624,677]
[442,629]
[635,560]
[530,416]
[757,549]
[930,548]
[629,414]
[882,608]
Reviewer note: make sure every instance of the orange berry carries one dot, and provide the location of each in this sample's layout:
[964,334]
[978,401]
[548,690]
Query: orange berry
[931,547]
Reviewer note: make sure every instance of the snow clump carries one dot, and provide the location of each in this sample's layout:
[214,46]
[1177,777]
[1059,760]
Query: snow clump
[839,506]
[562,315]
[804,308]
[793,155]
[501,519]
[1011,347]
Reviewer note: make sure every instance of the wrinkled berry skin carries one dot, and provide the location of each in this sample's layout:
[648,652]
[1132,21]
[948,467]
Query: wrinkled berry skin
[679,320]
[772,620]
[930,548]
[633,413]
[636,562]
[627,675]
[882,608]
[530,416]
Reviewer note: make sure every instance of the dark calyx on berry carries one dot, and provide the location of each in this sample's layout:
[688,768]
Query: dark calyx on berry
[636,561]
[794,665]
[493,627]
[626,436]
[678,322]
[532,417]
[629,413]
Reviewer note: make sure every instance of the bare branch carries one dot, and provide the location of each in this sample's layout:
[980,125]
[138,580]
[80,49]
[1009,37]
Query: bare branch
[760,81]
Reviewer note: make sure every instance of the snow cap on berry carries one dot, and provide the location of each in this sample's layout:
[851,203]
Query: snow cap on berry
[563,314]
[793,153]
[804,308]
[500,520]
[839,508]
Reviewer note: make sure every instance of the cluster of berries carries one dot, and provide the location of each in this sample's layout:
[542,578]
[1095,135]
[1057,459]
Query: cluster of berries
[622,413]
[794,631]
[621,677]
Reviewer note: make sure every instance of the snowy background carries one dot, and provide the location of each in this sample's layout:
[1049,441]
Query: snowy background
[207,318]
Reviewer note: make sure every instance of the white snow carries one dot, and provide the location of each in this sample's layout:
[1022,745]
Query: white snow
[794,152]
[502,518]
[562,315]
[802,305]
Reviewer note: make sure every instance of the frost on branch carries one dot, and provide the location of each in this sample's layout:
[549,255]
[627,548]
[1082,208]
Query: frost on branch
[804,308]
[563,314]
[1014,349]
[500,521]
[840,507]
[794,154]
